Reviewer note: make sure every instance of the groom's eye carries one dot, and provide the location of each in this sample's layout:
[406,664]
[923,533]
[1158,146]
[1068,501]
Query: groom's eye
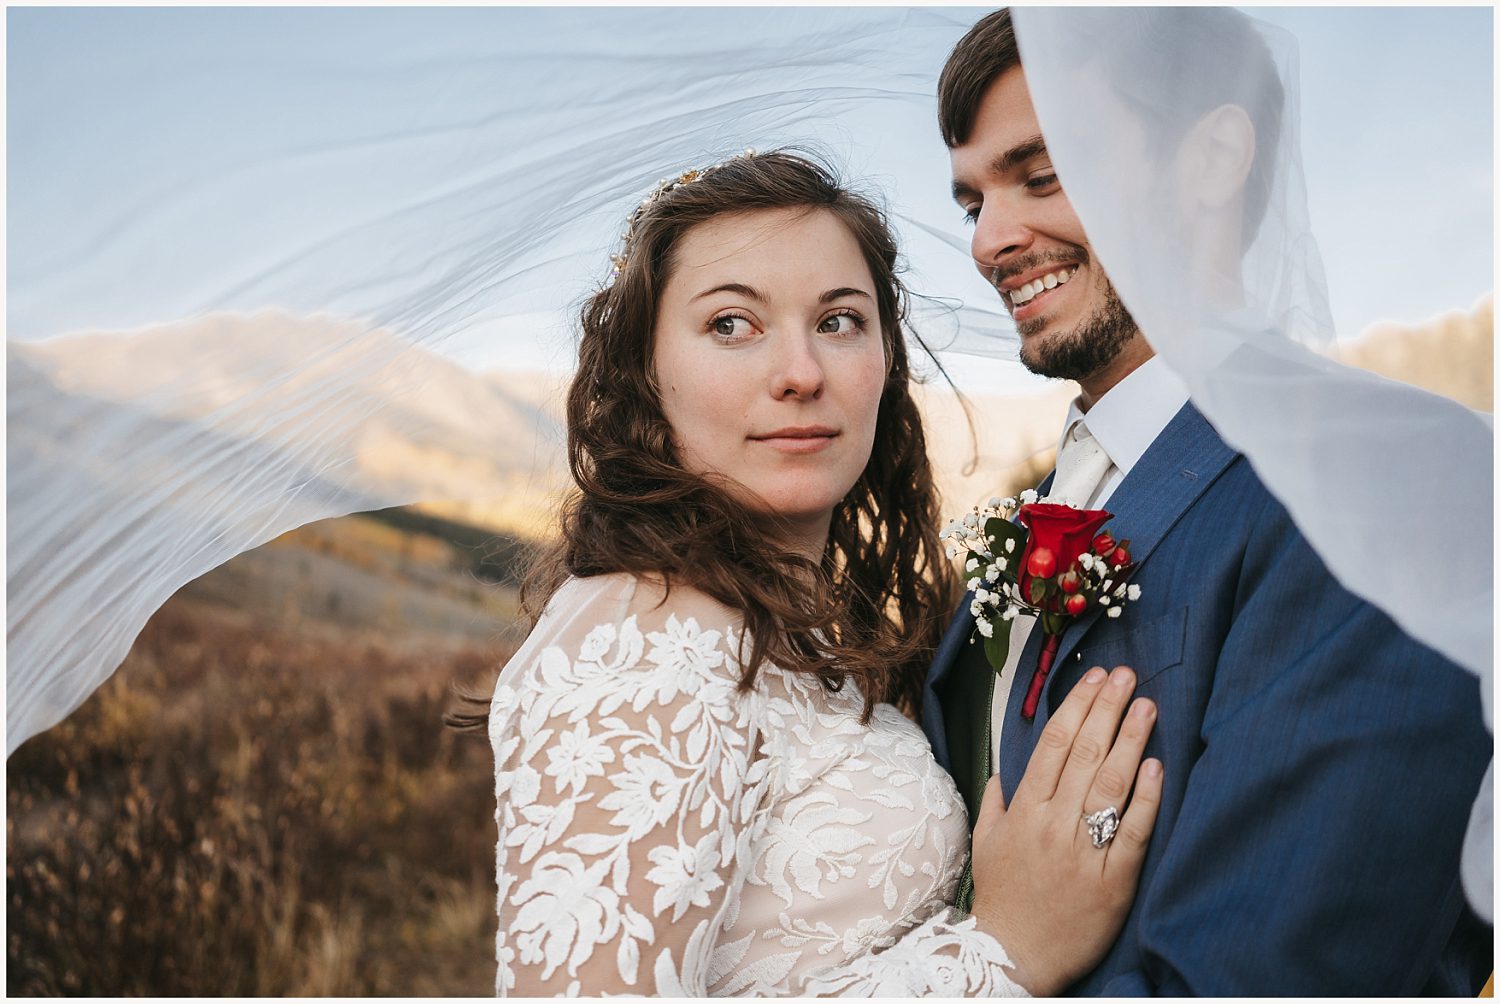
[1042,182]
[971,214]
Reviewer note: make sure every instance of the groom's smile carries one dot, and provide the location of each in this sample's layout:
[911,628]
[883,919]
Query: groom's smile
[1031,289]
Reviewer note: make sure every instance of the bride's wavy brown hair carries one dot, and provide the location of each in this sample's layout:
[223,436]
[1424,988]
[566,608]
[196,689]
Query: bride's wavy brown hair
[883,590]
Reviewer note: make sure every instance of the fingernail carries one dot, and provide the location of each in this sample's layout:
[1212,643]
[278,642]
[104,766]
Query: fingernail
[1120,677]
[1095,675]
[1143,709]
[1153,768]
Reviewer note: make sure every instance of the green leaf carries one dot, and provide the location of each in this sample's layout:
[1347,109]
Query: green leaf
[997,646]
[999,531]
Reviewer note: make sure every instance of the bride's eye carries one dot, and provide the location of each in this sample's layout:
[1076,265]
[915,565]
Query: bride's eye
[730,326]
[844,323]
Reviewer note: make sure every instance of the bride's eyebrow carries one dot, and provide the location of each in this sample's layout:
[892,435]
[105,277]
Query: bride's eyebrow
[841,292]
[732,287]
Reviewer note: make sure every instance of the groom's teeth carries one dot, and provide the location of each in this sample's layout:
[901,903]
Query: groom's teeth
[1051,280]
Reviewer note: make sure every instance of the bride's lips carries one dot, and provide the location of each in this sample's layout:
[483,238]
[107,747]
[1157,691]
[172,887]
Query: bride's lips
[798,439]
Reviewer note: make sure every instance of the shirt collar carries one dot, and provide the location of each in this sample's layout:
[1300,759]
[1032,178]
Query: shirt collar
[1132,413]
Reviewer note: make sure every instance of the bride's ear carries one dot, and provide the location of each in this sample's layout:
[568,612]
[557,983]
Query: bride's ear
[1216,156]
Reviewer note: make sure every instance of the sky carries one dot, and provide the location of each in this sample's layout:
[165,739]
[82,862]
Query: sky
[135,134]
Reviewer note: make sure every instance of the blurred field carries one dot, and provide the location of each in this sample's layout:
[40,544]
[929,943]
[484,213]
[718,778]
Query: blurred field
[263,800]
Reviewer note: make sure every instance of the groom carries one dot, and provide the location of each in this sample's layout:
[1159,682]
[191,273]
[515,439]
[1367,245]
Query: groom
[1319,764]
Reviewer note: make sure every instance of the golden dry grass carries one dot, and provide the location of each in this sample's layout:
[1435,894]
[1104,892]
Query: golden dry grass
[249,809]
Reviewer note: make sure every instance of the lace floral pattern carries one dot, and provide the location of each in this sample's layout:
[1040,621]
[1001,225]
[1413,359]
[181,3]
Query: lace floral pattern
[662,832]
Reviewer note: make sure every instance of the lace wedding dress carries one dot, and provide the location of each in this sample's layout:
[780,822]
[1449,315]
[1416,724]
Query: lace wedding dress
[663,833]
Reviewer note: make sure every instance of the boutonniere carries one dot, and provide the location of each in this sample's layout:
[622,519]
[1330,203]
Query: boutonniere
[1064,567]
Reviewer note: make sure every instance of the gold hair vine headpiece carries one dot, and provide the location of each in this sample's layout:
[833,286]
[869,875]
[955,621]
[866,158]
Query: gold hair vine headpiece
[663,186]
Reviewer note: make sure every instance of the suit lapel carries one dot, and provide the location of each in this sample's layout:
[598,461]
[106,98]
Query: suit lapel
[1170,476]
[936,712]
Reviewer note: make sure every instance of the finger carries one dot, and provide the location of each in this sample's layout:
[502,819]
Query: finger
[991,804]
[1126,852]
[1094,740]
[1052,746]
[1113,780]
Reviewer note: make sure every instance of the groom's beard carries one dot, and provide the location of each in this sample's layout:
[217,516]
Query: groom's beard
[1084,351]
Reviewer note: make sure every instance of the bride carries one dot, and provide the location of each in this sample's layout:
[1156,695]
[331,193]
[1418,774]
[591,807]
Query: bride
[704,783]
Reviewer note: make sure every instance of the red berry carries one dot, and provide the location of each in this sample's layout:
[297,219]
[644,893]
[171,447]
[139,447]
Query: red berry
[1103,544]
[1070,582]
[1120,558]
[1076,604]
[1041,564]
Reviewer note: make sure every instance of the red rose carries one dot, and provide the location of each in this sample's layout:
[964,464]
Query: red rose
[1104,543]
[1064,531]
[1120,558]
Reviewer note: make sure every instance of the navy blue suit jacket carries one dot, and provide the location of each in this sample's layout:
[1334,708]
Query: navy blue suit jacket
[1319,764]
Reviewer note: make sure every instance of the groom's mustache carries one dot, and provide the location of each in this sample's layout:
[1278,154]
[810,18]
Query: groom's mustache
[1034,260]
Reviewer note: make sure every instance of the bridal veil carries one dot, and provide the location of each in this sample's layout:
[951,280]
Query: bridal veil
[243,241]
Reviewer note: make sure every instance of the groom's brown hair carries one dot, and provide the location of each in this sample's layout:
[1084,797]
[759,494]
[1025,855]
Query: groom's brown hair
[988,50]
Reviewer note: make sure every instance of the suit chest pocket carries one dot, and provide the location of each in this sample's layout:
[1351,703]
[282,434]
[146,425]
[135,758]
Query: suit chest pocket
[1150,649]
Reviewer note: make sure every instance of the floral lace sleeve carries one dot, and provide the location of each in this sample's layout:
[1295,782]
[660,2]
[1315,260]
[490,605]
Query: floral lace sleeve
[946,956]
[637,795]
[627,787]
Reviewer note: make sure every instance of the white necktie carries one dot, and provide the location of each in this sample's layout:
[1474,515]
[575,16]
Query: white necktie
[1081,467]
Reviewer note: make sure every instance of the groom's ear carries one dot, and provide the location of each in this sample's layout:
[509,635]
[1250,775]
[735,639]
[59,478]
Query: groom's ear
[1216,156]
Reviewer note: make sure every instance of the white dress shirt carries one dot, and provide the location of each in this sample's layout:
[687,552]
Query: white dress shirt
[1125,421]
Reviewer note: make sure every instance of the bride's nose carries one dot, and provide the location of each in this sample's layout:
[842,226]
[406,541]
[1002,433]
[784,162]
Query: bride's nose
[797,374]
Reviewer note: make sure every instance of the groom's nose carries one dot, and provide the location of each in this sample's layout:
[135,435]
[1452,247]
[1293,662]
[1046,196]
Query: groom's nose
[998,236]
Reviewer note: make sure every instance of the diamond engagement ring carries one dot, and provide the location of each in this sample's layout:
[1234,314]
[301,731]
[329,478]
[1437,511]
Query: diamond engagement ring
[1103,824]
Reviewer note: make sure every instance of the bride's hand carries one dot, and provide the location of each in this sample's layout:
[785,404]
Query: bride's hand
[1041,887]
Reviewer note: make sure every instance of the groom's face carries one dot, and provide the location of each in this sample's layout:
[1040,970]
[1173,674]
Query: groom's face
[1030,245]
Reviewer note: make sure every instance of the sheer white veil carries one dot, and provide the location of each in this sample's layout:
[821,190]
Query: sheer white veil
[261,234]
[1176,134]
[243,242]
